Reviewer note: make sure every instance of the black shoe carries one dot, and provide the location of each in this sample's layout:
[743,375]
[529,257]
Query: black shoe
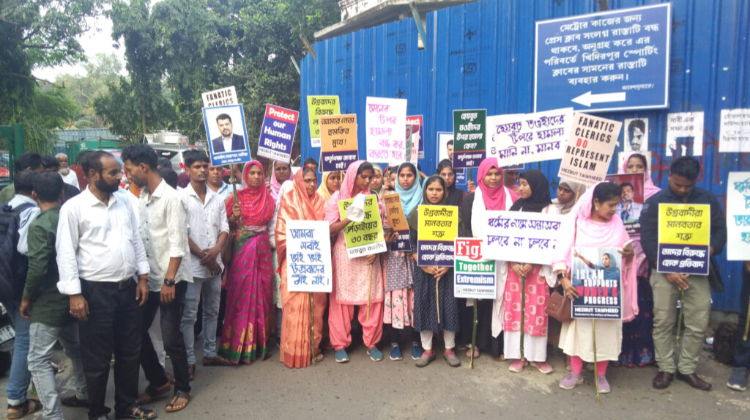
[74,401]
[663,380]
[695,381]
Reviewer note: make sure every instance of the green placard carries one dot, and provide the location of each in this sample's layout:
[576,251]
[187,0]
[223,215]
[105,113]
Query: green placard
[365,237]
[469,138]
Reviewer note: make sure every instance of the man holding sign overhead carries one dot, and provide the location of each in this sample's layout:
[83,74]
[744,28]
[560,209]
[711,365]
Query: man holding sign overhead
[671,282]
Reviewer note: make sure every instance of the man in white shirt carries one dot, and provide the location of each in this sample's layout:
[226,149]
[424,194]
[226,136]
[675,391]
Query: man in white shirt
[99,251]
[216,182]
[68,176]
[163,228]
[208,231]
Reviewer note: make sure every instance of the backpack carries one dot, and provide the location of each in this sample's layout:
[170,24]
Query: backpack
[13,264]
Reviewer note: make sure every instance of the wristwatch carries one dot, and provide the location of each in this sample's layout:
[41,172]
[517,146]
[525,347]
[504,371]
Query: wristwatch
[560,276]
[169,282]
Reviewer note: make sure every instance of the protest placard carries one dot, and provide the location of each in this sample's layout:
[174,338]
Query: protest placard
[308,256]
[596,277]
[338,148]
[589,150]
[684,235]
[734,133]
[473,276]
[220,97]
[419,121]
[226,134]
[524,138]
[631,200]
[738,216]
[398,221]
[277,133]
[412,143]
[438,227]
[521,237]
[385,120]
[469,141]
[684,134]
[317,106]
[366,237]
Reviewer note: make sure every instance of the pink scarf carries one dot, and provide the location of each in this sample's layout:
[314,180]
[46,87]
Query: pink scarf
[344,193]
[589,233]
[494,198]
[649,188]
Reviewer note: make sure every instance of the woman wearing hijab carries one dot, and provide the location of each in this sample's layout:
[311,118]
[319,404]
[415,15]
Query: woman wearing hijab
[595,224]
[637,338]
[249,277]
[455,196]
[351,277]
[567,191]
[302,202]
[533,190]
[399,270]
[330,184]
[377,185]
[491,195]
[426,318]
[280,173]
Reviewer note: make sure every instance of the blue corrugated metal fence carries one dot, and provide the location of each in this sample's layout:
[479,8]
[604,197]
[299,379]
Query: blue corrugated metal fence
[481,55]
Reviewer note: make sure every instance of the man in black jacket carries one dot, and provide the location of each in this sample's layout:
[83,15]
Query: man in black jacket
[696,292]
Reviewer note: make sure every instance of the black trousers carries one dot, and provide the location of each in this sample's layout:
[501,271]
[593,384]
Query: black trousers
[742,348]
[114,324]
[485,341]
[171,315]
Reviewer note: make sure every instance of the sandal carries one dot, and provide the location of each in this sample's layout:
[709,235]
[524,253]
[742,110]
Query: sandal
[137,413]
[24,409]
[152,393]
[171,407]
[217,361]
[476,352]
[319,357]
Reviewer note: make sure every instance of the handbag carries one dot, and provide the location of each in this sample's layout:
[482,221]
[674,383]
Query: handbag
[558,306]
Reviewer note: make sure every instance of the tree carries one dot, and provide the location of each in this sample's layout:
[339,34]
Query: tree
[101,71]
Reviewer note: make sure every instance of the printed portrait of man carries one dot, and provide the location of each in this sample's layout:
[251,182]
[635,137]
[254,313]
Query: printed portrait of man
[449,149]
[228,141]
[637,138]
[627,208]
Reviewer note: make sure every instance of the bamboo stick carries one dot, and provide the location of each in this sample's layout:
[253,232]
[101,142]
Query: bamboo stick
[596,368]
[473,335]
[747,323]
[437,299]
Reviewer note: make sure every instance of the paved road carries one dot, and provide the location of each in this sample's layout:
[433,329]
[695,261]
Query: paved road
[362,389]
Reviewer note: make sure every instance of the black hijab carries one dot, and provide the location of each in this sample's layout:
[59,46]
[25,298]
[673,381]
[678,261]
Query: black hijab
[539,198]
[455,195]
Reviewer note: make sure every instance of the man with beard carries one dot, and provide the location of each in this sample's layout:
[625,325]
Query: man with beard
[68,176]
[228,141]
[99,252]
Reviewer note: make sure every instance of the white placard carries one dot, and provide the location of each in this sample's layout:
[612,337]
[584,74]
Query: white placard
[524,138]
[385,120]
[734,134]
[688,127]
[308,256]
[220,97]
[521,237]
[738,216]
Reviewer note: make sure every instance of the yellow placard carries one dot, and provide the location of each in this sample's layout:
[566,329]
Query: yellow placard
[438,223]
[684,224]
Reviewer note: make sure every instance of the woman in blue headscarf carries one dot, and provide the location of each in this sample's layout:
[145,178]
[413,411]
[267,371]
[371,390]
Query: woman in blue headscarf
[399,269]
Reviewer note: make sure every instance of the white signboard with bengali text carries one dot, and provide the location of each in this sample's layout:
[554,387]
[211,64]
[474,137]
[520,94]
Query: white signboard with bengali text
[385,120]
[521,237]
[308,256]
[525,138]
[738,216]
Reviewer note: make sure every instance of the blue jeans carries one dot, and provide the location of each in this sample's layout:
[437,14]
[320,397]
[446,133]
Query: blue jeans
[210,289]
[41,350]
[18,383]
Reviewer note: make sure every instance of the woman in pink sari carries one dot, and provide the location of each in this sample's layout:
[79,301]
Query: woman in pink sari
[595,224]
[637,338]
[249,281]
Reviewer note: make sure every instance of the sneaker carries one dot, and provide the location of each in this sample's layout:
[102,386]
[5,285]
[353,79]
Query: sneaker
[341,356]
[416,351]
[517,366]
[427,357]
[396,352]
[738,380]
[375,354]
[450,357]
[602,384]
[571,381]
[543,367]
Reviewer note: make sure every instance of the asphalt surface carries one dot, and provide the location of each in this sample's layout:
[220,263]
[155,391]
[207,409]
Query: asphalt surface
[399,390]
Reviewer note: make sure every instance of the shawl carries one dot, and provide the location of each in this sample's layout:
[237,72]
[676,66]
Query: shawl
[323,189]
[493,198]
[296,204]
[540,198]
[574,186]
[411,198]
[589,233]
[649,188]
[256,203]
[414,213]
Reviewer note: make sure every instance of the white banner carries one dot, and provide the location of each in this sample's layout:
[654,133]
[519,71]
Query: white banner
[738,216]
[385,120]
[734,134]
[525,138]
[521,237]
[308,256]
